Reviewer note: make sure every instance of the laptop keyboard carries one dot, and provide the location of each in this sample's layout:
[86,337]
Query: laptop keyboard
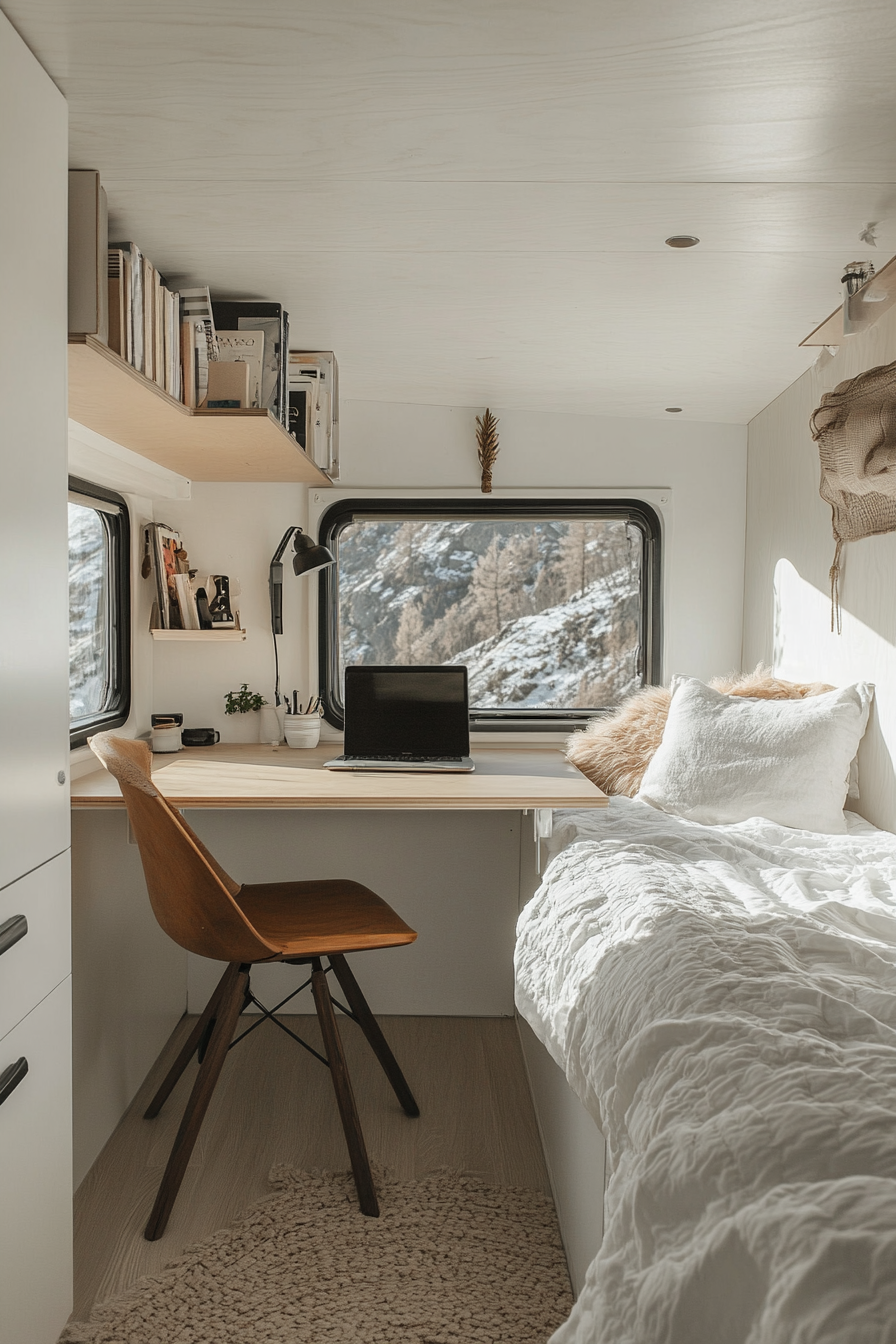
[404,756]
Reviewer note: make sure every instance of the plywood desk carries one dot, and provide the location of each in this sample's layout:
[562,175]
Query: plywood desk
[236,776]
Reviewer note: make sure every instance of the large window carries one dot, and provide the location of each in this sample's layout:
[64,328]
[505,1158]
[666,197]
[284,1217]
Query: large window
[99,609]
[554,607]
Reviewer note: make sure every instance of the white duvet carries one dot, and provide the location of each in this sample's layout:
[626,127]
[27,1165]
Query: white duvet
[723,1000]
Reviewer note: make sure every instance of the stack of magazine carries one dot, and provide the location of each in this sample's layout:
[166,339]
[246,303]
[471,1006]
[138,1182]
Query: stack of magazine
[183,601]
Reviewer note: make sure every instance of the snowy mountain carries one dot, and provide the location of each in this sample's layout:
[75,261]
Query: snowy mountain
[543,613]
[583,652]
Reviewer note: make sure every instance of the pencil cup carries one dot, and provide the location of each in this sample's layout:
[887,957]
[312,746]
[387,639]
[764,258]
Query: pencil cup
[302,730]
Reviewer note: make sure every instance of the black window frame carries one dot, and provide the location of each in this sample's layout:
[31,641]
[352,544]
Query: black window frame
[117,527]
[636,512]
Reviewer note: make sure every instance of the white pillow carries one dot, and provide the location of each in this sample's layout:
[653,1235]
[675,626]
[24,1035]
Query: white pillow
[723,758]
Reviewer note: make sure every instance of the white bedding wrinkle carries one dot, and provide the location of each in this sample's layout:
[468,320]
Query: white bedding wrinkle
[723,1000]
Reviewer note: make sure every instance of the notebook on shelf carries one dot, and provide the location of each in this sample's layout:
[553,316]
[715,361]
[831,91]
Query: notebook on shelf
[406,718]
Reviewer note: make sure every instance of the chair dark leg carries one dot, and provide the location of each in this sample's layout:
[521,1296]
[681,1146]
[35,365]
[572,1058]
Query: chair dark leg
[191,1044]
[371,1029]
[229,1009]
[345,1100]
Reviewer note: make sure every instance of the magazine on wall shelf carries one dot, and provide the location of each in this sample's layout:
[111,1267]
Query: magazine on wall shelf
[163,544]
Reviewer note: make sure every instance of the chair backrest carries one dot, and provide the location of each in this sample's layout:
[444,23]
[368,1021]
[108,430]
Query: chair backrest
[192,897]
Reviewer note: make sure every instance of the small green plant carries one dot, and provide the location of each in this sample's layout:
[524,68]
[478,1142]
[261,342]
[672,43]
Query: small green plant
[243,701]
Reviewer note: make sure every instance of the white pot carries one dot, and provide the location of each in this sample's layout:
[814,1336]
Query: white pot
[302,730]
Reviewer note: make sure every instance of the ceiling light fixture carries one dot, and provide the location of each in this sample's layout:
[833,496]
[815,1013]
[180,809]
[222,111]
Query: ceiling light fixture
[673,410]
[682,240]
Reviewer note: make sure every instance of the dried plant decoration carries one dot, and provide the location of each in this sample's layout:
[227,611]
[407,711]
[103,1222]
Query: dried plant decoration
[487,439]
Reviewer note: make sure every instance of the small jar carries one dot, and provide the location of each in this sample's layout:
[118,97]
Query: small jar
[166,737]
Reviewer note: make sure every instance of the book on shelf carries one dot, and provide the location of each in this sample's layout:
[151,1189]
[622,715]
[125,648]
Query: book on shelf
[143,317]
[271,319]
[173,379]
[313,382]
[88,240]
[118,308]
[199,342]
[149,283]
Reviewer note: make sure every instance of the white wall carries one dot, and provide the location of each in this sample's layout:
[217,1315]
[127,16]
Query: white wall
[787,610]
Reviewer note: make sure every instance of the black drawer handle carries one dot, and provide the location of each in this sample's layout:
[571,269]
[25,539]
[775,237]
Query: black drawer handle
[11,1077]
[11,931]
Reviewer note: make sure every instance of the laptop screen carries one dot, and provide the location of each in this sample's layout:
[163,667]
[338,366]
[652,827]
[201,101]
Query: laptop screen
[421,711]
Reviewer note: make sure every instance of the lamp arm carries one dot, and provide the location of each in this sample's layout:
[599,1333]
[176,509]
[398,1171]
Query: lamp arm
[275,583]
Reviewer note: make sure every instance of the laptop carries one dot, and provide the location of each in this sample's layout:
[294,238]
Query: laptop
[405,718]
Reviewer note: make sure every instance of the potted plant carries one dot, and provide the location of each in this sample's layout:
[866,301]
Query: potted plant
[241,702]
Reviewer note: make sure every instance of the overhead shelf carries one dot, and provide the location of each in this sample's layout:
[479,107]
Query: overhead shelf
[113,399]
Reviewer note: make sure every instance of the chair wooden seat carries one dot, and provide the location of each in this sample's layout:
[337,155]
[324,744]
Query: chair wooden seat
[313,919]
[203,909]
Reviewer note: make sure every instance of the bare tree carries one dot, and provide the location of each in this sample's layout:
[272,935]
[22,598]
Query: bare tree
[408,636]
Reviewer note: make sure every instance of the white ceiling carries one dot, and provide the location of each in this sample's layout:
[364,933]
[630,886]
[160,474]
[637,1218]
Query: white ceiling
[467,201]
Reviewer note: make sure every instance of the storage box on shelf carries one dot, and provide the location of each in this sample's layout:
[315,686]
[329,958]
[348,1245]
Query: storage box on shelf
[110,397]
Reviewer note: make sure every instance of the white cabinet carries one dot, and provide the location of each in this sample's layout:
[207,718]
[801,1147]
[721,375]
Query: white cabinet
[36,1175]
[34,806]
[35,985]
[35,938]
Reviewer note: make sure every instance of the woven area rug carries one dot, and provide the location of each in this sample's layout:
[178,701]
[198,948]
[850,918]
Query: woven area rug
[450,1259]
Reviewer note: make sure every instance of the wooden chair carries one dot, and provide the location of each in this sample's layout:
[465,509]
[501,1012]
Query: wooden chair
[206,912]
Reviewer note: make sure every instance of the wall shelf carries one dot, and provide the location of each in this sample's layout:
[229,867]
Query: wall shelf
[866,306]
[113,399]
[234,636]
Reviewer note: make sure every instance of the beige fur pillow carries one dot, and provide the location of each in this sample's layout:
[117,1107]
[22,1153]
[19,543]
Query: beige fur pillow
[614,751]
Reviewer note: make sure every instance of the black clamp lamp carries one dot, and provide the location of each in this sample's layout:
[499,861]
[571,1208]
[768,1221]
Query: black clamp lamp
[308,557]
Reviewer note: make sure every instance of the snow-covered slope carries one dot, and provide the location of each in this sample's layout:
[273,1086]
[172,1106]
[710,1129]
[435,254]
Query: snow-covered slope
[543,613]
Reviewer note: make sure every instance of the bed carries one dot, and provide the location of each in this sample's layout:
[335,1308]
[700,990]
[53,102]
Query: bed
[722,999]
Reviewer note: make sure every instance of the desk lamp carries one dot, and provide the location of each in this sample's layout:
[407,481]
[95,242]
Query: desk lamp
[308,557]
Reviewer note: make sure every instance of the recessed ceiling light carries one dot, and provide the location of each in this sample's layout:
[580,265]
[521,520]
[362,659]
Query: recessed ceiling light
[673,410]
[682,240]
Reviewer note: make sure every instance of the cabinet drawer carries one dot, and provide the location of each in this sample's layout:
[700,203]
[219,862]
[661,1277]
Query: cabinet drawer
[36,961]
[36,1175]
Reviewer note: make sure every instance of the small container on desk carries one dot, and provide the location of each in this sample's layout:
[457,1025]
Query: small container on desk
[302,730]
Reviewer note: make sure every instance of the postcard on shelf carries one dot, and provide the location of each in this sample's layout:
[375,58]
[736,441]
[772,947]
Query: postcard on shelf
[228,385]
[244,347]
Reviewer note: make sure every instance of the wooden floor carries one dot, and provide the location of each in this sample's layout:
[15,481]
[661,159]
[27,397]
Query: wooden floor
[275,1103]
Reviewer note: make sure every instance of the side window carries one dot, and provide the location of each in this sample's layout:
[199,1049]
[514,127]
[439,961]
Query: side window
[553,607]
[99,610]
